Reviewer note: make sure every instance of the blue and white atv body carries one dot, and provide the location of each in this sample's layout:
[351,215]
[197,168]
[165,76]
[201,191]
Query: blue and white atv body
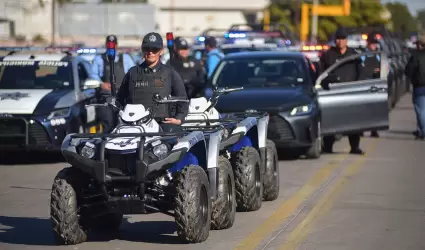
[244,142]
[124,173]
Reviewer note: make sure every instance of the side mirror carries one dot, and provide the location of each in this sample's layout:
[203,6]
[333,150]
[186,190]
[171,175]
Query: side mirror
[328,80]
[92,84]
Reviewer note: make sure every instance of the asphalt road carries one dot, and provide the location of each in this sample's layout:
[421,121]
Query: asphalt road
[339,202]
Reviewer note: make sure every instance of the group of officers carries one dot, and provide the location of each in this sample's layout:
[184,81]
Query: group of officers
[185,76]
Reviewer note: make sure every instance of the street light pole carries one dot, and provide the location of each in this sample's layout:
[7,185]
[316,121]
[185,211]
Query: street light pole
[315,21]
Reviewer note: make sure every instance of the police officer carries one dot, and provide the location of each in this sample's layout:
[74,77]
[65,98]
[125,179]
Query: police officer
[189,68]
[213,55]
[152,77]
[371,64]
[350,71]
[100,71]
[415,70]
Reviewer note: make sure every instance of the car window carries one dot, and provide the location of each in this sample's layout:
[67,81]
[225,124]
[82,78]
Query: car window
[35,75]
[82,73]
[255,73]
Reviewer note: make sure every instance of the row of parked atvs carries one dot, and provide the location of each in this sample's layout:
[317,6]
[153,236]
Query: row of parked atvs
[200,175]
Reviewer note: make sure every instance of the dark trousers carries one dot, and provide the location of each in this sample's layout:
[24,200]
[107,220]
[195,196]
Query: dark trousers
[354,139]
[108,117]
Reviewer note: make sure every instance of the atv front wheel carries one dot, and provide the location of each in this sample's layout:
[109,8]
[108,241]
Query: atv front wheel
[192,204]
[224,207]
[248,179]
[271,177]
[66,220]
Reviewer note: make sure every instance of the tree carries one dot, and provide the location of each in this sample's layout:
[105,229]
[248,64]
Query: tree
[363,13]
[402,21]
[421,18]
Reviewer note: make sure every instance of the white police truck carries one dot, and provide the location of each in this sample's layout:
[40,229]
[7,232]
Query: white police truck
[42,99]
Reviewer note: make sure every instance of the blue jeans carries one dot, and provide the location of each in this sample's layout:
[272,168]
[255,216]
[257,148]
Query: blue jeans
[419,104]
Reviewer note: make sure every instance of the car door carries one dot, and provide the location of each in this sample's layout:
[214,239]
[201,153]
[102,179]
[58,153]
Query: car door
[354,106]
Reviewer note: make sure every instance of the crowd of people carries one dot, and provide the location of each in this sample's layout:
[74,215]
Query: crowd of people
[183,75]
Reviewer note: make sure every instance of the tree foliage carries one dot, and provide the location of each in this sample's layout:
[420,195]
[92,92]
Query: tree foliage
[363,13]
[421,18]
[402,20]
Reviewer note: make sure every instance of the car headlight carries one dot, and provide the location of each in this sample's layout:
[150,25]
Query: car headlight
[88,150]
[160,151]
[301,110]
[60,113]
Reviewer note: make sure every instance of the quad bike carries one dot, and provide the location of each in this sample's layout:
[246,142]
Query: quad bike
[135,169]
[244,144]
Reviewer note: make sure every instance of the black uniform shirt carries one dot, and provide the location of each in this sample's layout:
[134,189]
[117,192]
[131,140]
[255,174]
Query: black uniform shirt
[177,87]
[192,74]
[346,72]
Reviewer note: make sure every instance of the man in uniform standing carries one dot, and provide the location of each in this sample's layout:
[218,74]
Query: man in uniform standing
[349,71]
[371,65]
[213,55]
[189,68]
[100,71]
[152,77]
[415,70]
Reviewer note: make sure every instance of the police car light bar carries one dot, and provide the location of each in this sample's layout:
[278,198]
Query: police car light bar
[315,47]
[87,51]
[170,39]
[200,38]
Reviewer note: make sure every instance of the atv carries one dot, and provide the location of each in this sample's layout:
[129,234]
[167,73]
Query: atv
[245,145]
[135,169]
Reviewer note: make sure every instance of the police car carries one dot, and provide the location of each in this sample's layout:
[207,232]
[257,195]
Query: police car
[42,99]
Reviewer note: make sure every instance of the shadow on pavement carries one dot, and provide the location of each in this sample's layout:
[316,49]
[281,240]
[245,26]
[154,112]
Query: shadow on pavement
[26,231]
[23,158]
[38,232]
[158,232]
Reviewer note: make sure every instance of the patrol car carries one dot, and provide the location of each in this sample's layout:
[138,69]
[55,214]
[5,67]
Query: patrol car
[42,99]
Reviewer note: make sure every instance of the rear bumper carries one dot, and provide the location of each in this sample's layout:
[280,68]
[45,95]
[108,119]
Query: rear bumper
[293,131]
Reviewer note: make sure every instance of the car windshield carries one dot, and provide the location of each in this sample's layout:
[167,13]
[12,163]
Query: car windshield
[35,75]
[255,73]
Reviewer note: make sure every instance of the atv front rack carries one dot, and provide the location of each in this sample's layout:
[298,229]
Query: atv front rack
[98,166]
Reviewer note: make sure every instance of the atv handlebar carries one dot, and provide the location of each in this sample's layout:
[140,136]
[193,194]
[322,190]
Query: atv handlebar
[157,99]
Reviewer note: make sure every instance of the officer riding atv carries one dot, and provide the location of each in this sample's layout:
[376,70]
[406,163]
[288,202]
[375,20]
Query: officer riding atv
[141,166]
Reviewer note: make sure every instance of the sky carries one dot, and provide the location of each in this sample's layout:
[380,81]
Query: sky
[413,5]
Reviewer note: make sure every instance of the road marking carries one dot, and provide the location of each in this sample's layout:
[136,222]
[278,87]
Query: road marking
[290,205]
[324,205]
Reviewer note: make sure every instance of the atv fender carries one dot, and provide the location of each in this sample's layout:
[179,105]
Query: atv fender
[262,126]
[212,162]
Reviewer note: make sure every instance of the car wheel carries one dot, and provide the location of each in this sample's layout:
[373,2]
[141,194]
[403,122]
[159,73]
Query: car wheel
[315,150]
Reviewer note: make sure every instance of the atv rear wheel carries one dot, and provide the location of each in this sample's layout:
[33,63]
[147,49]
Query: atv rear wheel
[271,177]
[224,207]
[192,204]
[67,222]
[248,179]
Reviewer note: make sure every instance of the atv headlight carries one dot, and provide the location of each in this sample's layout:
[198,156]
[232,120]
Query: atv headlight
[88,150]
[301,110]
[224,133]
[160,150]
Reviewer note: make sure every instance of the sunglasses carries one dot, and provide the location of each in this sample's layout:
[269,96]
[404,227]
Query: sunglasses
[153,50]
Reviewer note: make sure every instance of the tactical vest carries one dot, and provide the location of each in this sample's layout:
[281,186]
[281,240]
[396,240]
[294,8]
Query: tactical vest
[145,84]
[119,70]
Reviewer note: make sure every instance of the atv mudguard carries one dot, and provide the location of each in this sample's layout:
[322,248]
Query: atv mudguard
[255,130]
